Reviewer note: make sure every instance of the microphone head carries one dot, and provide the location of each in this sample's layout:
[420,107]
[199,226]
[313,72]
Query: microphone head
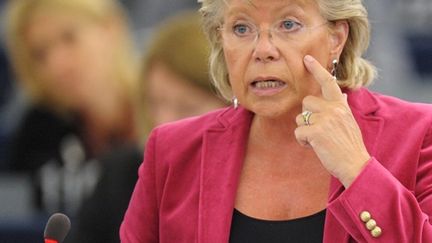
[57,227]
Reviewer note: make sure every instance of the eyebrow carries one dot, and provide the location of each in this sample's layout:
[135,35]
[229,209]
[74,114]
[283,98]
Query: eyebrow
[289,9]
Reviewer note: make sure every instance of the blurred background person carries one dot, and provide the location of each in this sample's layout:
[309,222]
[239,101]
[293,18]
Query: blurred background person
[74,60]
[174,84]
[175,79]
[5,88]
[5,95]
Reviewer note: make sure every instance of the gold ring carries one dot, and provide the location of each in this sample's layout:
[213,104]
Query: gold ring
[306,116]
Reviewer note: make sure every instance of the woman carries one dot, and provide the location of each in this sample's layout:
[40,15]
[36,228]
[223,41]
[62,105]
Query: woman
[300,157]
[172,88]
[74,60]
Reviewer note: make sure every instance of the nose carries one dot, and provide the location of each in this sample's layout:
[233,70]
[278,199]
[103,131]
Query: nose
[265,50]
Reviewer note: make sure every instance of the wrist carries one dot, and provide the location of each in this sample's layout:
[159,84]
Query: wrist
[348,178]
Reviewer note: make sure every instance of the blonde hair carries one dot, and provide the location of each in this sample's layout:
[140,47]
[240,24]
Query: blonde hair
[177,39]
[19,14]
[179,43]
[353,70]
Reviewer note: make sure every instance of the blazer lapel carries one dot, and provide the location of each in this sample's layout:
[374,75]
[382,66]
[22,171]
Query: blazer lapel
[364,107]
[222,160]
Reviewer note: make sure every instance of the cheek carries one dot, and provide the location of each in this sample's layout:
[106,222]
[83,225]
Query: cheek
[97,53]
[236,63]
[230,61]
[318,48]
[97,66]
[291,66]
[97,47]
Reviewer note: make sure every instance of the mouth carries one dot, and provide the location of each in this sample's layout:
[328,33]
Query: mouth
[267,86]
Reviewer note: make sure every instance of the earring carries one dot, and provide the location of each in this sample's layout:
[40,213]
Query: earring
[333,71]
[235,102]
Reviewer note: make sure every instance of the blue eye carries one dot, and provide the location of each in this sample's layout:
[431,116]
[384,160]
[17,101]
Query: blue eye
[289,24]
[240,29]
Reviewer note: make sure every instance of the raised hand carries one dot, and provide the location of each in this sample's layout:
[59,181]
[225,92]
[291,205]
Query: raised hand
[331,131]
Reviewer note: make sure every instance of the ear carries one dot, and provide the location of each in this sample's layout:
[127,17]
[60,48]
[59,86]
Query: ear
[339,35]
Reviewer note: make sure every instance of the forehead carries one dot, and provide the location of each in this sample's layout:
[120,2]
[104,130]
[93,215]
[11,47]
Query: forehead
[48,19]
[46,25]
[51,16]
[270,6]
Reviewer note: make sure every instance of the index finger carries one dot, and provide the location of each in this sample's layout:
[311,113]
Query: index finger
[329,87]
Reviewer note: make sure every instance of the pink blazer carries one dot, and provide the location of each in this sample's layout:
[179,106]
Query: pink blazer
[188,180]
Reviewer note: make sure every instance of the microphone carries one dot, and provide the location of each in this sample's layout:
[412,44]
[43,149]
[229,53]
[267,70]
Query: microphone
[57,228]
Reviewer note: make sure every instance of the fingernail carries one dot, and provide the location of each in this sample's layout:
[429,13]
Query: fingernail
[308,58]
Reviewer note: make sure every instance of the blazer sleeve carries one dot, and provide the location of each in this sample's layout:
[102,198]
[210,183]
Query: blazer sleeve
[401,214]
[140,223]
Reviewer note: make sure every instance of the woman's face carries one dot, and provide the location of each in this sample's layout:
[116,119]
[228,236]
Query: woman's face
[72,55]
[264,44]
[171,97]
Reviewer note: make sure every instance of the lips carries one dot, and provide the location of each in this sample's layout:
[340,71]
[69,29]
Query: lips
[267,82]
[265,86]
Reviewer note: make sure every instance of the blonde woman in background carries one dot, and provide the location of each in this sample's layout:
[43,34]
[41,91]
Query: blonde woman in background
[75,61]
[170,89]
[175,80]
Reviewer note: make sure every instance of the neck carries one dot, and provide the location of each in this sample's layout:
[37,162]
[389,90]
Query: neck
[273,148]
[106,114]
[275,131]
[108,122]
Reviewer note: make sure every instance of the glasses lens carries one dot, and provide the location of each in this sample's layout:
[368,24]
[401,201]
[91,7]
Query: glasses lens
[239,34]
[245,35]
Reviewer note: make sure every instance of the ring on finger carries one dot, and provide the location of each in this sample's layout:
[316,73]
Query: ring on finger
[306,116]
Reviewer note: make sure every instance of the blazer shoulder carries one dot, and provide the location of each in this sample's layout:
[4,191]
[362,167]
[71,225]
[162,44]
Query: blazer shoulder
[192,127]
[389,107]
[394,106]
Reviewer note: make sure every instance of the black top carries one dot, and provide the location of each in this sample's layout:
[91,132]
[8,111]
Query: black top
[100,216]
[247,229]
[40,140]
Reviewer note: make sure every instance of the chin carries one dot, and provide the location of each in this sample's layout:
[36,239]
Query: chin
[273,110]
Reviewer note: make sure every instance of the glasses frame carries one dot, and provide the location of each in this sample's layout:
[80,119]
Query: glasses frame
[272,31]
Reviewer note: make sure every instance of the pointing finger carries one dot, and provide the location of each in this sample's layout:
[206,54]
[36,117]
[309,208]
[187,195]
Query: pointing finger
[329,88]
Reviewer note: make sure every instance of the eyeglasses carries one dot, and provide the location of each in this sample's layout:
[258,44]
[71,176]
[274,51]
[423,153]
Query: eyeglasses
[245,34]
